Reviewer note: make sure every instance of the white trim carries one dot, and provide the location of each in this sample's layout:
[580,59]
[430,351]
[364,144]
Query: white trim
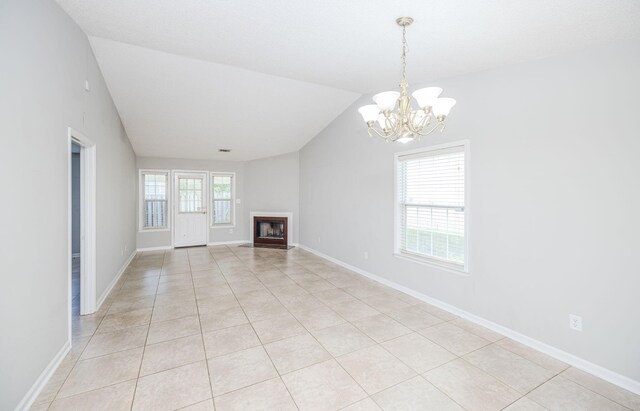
[573,360]
[88,228]
[141,172]
[164,247]
[287,214]
[88,224]
[396,211]
[115,280]
[35,390]
[229,242]
[232,224]
[69,243]
[174,208]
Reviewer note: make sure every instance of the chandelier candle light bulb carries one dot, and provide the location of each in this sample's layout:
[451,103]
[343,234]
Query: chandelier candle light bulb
[394,119]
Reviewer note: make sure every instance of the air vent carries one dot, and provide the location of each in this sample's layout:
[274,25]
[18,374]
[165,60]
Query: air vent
[224,150]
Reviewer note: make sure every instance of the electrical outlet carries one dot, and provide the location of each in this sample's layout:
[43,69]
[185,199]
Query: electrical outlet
[366,255]
[575,322]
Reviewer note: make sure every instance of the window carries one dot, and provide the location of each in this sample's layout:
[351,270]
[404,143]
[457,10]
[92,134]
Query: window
[154,200]
[190,194]
[222,199]
[431,205]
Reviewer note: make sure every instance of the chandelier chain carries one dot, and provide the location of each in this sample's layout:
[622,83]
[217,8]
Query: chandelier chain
[405,50]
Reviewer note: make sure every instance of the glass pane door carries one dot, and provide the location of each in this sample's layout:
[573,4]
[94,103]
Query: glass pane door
[190,195]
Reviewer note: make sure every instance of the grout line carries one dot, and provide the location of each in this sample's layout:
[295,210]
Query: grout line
[585,387]
[204,348]
[135,390]
[93,389]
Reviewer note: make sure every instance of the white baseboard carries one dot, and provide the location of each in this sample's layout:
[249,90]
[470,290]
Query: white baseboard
[597,370]
[113,282]
[168,247]
[43,379]
[229,242]
[241,242]
[164,247]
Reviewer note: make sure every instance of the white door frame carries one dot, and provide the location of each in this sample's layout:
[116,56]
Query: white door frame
[175,199]
[87,223]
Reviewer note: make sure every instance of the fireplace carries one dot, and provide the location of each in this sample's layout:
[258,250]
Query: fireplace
[270,231]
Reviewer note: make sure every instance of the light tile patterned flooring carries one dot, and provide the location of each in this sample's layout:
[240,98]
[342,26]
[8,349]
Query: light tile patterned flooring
[260,329]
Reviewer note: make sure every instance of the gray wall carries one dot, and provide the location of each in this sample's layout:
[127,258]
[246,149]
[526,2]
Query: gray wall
[554,198]
[272,185]
[269,184]
[45,61]
[150,239]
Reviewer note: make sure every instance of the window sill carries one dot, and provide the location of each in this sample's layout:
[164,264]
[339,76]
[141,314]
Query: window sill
[154,230]
[224,226]
[452,268]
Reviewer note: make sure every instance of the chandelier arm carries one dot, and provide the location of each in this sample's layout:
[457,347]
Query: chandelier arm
[395,131]
[417,128]
[378,132]
[439,125]
[388,123]
[390,127]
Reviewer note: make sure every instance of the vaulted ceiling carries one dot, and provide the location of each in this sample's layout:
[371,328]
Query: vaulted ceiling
[264,77]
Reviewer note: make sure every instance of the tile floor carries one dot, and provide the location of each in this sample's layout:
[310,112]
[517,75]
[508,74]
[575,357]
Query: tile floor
[258,329]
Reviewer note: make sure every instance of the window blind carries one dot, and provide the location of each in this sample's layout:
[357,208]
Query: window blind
[222,199]
[431,204]
[154,200]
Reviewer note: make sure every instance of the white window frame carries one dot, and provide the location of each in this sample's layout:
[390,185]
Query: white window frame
[233,199]
[141,174]
[426,260]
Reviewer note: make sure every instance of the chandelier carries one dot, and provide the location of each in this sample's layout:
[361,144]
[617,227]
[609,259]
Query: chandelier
[394,119]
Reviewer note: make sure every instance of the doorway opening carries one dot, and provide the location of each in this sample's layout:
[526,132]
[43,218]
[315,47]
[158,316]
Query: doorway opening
[75,228]
[82,225]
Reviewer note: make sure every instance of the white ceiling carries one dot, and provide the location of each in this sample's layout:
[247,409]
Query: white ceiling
[203,72]
[174,106]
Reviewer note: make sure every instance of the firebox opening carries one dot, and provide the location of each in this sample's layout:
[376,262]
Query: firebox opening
[271,230]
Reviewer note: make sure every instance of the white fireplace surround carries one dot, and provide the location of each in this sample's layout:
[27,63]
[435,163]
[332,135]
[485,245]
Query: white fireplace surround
[289,216]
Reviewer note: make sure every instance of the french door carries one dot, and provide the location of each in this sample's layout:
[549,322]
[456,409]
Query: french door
[190,211]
